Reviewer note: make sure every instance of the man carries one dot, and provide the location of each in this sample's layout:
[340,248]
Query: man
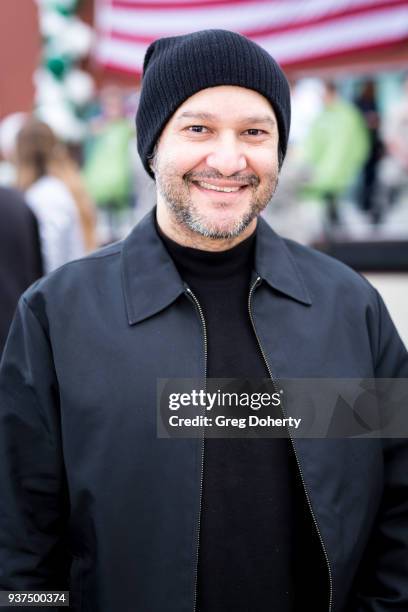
[91,497]
[20,255]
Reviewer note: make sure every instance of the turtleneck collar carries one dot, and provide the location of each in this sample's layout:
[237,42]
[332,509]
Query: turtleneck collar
[211,265]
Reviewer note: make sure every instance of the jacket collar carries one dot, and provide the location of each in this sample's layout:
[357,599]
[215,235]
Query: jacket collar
[151,281]
[275,264]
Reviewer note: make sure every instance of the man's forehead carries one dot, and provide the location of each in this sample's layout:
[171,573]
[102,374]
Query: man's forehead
[230,102]
[243,117]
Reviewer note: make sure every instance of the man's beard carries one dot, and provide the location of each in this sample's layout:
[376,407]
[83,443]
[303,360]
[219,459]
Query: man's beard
[175,192]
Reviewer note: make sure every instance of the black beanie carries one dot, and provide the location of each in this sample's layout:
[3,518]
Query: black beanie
[175,68]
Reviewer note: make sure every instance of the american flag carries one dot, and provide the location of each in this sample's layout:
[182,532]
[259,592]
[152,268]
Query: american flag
[295,32]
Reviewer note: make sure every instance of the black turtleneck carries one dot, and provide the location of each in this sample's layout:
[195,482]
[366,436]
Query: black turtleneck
[220,281]
[253,508]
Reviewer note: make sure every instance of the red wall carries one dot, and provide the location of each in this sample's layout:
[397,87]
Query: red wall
[19,53]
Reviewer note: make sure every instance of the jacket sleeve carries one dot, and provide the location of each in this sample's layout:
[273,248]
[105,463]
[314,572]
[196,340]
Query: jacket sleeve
[382,582]
[33,492]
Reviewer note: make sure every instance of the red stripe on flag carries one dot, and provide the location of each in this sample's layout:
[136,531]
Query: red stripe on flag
[121,69]
[342,54]
[179,6]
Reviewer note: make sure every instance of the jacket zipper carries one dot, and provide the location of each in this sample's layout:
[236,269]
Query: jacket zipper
[201,314]
[276,387]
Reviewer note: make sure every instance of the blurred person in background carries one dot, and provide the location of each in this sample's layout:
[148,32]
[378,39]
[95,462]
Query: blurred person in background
[20,255]
[335,148]
[54,190]
[145,187]
[9,128]
[288,213]
[107,171]
[366,102]
[393,170]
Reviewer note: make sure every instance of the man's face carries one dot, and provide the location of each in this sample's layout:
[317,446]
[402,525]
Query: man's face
[216,165]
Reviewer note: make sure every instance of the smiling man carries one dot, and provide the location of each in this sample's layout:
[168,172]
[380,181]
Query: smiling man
[91,499]
[216,172]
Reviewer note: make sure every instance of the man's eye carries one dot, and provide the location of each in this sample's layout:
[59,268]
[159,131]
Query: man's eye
[198,129]
[254,132]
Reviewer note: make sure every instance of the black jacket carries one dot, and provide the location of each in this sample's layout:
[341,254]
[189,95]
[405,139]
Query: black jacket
[20,254]
[91,498]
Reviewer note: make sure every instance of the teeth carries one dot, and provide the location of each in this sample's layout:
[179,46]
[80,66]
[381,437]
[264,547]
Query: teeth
[214,188]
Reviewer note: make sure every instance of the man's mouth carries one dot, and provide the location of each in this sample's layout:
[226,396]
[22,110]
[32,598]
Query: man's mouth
[218,187]
[203,185]
[222,184]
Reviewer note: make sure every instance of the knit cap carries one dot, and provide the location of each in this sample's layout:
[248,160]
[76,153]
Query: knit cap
[177,67]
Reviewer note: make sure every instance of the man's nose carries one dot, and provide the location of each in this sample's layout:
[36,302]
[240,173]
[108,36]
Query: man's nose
[227,157]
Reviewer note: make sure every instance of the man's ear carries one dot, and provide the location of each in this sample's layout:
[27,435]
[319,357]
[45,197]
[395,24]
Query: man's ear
[151,166]
[152,159]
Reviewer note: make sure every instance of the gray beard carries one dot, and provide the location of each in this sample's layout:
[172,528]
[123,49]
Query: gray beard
[183,211]
[186,217]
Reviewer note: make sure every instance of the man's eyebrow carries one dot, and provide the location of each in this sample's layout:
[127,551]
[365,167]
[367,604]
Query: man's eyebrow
[211,117]
[198,115]
[260,119]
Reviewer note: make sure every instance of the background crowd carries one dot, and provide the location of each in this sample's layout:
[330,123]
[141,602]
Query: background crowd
[347,163]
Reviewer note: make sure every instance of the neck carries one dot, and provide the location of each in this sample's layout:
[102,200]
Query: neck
[184,236]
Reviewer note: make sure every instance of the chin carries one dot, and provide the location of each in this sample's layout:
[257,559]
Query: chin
[227,227]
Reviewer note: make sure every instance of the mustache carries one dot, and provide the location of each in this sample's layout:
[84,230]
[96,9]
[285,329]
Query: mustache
[242,179]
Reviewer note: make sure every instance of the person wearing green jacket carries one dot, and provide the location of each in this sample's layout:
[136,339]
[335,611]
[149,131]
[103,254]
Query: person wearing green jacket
[335,149]
[107,169]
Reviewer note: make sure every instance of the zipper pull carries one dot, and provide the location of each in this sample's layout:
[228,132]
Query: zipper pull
[255,284]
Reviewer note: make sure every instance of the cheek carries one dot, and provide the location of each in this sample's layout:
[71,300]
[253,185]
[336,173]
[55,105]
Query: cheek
[264,163]
[192,158]
[181,157]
